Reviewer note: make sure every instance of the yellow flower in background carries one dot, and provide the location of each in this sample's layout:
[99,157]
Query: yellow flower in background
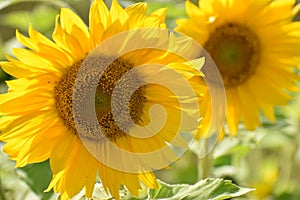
[265,179]
[38,121]
[255,46]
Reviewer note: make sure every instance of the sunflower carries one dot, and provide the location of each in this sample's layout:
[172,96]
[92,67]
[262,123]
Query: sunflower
[255,45]
[67,101]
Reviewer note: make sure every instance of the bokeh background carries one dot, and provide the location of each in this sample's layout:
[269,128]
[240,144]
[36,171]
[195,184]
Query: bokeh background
[267,159]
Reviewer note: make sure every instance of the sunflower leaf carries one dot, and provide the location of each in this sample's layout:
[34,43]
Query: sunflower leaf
[213,189]
[38,177]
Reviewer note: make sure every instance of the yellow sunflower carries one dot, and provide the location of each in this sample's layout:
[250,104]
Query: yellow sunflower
[255,45]
[61,106]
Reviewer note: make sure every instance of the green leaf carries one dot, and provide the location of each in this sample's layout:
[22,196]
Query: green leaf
[208,189]
[212,189]
[38,178]
[12,185]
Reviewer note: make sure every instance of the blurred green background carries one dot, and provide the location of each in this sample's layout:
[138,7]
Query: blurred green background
[267,159]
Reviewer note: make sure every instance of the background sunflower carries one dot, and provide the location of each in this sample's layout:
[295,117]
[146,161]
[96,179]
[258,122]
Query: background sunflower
[256,58]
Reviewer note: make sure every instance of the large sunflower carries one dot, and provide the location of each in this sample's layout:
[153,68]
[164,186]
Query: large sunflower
[40,115]
[255,46]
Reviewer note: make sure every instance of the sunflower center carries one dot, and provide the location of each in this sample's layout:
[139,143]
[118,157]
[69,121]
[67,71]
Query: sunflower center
[236,51]
[111,73]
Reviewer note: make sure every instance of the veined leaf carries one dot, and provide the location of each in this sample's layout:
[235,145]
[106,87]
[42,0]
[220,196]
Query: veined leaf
[208,189]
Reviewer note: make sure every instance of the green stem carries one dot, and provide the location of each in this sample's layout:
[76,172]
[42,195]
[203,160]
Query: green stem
[2,196]
[294,153]
[205,164]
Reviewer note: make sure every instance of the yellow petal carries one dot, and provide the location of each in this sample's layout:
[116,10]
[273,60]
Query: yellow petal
[38,148]
[81,170]
[99,20]
[60,156]
[68,42]
[44,47]
[137,12]
[148,179]
[19,69]
[249,106]
[73,25]
[117,13]
[233,109]
[33,59]
[269,93]
[194,12]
